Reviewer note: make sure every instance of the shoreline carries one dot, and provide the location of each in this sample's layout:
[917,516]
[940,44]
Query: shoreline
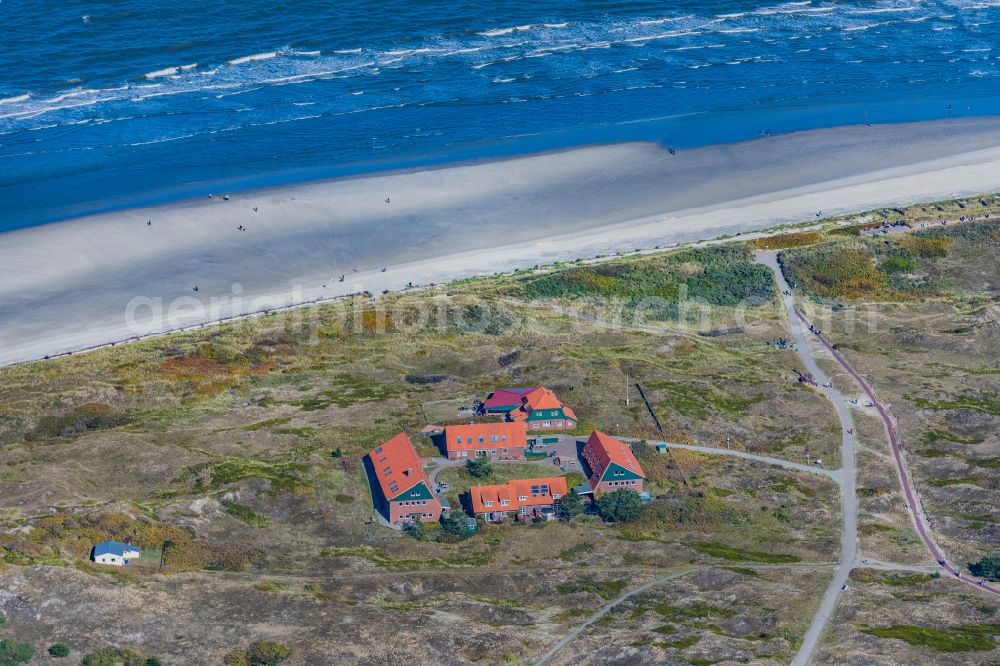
[70,283]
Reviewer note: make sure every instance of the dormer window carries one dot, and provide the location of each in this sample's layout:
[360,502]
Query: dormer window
[488,503]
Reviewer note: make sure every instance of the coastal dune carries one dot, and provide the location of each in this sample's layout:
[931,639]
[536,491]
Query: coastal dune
[70,285]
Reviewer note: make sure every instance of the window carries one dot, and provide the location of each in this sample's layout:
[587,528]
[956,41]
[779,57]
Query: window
[494,438]
[458,440]
[504,451]
[547,424]
[555,496]
[488,503]
[545,489]
[534,490]
[470,440]
[378,450]
[503,438]
[522,498]
[504,502]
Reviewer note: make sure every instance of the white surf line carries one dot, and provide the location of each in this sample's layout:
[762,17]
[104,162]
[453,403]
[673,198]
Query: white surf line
[849,498]
[607,609]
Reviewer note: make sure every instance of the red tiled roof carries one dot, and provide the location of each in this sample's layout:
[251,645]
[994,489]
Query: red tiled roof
[542,398]
[397,466]
[506,397]
[507,434]
[512,490]
[605,449]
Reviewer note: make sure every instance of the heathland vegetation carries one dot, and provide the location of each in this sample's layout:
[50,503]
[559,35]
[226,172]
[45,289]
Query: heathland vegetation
[232,456]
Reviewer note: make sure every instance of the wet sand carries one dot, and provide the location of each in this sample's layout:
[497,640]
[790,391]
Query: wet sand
[69,285]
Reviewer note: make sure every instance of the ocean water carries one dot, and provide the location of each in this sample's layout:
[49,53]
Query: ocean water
[107,104]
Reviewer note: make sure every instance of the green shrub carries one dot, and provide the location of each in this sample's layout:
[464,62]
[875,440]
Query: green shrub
[59,650]
[899,262]
[12,652]
[605,589]
[928,246]
[456,525]
[113,657]
[723,276]
[259,653]
[695,508]
[570,505]
[794,239]
[620,506]
[245,513]
[964,638]
[836,271]
[741,555]
[479,467]
[987,567]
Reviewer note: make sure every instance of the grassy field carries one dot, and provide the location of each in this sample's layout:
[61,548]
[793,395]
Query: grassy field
[915,618]
[236,452]
[933,359]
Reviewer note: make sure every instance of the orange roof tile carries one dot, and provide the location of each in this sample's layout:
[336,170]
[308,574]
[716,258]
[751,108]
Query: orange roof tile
[606,449]
[507,434]
[397,466]
[513,490]
[540,398]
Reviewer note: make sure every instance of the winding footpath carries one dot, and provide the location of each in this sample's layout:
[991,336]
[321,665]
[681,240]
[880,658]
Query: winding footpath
[848,492]
[911,502]
[607,609]
[837,475]
[849,554]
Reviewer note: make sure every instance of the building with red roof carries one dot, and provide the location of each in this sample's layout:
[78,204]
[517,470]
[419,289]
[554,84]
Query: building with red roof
[502,401]
[522,497]
[400,489]
[538,408]
[612,464]
[501,441]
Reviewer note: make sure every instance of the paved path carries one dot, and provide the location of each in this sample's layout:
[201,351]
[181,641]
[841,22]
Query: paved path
[835,474]
[904,478]
[799,325]
[607,609]
[848,493]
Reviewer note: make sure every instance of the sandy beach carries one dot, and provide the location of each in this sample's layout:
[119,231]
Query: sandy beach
[69,285]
